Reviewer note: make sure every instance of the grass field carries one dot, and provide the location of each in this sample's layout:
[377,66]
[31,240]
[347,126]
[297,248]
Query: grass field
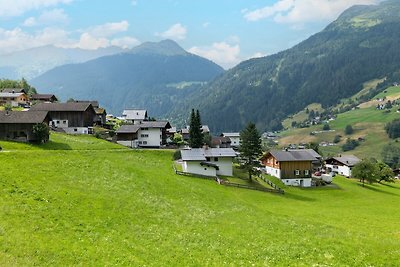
[95,203]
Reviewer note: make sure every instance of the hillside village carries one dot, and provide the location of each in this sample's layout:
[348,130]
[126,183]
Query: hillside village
[294,165]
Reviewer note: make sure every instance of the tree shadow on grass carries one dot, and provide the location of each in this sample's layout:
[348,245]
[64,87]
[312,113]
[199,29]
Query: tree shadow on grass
[390,185]
[375,189]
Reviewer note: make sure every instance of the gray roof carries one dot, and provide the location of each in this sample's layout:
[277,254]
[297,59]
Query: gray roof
[292,155]
[348,160]
[128,128]
[231,134]
[312,152]
[200,154]
[15,90]
[12,117]
[10,94]
[94,103]
[133,128]
[134,114]
[70,106]
[42,96]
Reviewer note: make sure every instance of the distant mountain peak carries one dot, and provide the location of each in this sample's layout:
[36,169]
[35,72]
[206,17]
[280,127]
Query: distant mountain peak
[165,47]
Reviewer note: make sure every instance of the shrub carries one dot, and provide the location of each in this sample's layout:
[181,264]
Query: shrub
[348,130]
[326,127]
[393,129]
[350,144]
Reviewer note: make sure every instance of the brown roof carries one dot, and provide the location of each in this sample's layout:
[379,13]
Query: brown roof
[100,111]
[292,155]
[94,103]
[70,106]
[12,117]
[13,90]
[43,96]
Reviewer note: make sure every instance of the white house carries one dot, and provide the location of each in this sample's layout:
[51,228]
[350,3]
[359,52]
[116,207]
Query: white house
[134,116]
[235,138]
[341,165]
[145,134]
[208,161]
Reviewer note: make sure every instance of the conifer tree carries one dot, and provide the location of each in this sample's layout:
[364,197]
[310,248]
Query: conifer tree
[195,134]
[250,148]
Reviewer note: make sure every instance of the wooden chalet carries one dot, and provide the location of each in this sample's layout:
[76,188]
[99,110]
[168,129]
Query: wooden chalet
[342,165]
[73,118]
[293,167]
[220,142]
[13,99]
[43,98]
[18,125]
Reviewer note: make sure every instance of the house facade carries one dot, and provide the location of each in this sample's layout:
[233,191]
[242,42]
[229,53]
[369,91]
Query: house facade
[208,161]
[13,99]
[292,167]
[135,116]
[234,137]
[71,117]
[146,134]
[43,98]
[342,165]
[18,125]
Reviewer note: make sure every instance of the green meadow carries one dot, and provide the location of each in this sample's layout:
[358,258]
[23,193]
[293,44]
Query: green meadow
[82,201]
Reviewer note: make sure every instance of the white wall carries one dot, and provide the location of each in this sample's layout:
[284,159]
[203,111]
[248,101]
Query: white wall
[273,171]
[127,143]
[342,170]
[196,168]
[152,138]
[225,166]
[305,182]
[76,130]
[59,123]
[235,141]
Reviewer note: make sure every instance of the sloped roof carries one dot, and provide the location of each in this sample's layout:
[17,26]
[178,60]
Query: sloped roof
[13,117]
[100,111]
[348,160]
[231,134]
[200,154]
[43,96]
[10,94]
[135,114]
[155,124]
[70,106]
[11,90]
[292,155]
[312,152]
[219,140]
[94,103]
[128,128]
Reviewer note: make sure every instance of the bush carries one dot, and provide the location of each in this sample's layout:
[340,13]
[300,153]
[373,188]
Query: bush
[41,132]
[348,130]
[336,139]
[393,129]
[350,144]
[177,155]
[326,127]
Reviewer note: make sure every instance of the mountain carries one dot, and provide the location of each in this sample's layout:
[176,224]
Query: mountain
[41,59]
[155,76]
[361,45]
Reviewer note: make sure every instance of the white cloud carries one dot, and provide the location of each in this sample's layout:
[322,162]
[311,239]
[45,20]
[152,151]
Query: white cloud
[87,41]
[258,55]
[176,32]
[11,8]
[109,29]
[301,11]
[125,42]
[221,53]
[134,2]
[30,22]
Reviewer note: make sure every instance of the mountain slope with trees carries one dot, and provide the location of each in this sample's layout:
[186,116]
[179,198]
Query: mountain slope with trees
[361,45]
[155,76]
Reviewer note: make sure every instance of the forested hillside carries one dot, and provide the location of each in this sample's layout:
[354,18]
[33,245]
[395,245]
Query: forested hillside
[155,76]
[361,45]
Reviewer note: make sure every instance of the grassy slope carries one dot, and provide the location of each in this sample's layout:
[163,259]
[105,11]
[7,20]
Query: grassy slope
[367,121]
[105,206]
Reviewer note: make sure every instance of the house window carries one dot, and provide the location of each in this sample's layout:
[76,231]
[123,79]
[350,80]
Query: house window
[75,130]
[306,172]
[297,172]
[140,142]
[215,159]
[208,159]
[145,129]
[64,122]
[144,142]
[144,135]
[58,122]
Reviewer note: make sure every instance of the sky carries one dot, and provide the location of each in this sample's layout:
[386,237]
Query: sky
[224,31]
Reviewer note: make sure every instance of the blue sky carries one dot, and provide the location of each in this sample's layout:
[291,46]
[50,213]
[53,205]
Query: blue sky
[225,31]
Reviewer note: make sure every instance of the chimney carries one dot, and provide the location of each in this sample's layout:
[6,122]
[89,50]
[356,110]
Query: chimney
[205,147]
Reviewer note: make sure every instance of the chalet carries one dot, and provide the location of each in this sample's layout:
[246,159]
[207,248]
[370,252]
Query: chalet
[234,137]
[208,161]
[220,142]
[13,99]
[43,98]
[292,167]
[71,117]
[146,134]
[18,125]
[341,165]
[14,90]
[134,116]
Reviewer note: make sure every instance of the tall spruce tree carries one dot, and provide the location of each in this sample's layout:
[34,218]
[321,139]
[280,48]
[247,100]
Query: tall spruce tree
[250,148]
[195,134]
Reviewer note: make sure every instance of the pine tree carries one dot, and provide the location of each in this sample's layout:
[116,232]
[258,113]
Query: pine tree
[250,148]
[195,134]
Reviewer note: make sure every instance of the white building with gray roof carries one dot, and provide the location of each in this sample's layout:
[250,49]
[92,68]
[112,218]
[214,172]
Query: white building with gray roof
[208,161]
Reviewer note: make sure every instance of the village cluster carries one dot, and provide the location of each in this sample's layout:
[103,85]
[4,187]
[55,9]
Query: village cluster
[295,167]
